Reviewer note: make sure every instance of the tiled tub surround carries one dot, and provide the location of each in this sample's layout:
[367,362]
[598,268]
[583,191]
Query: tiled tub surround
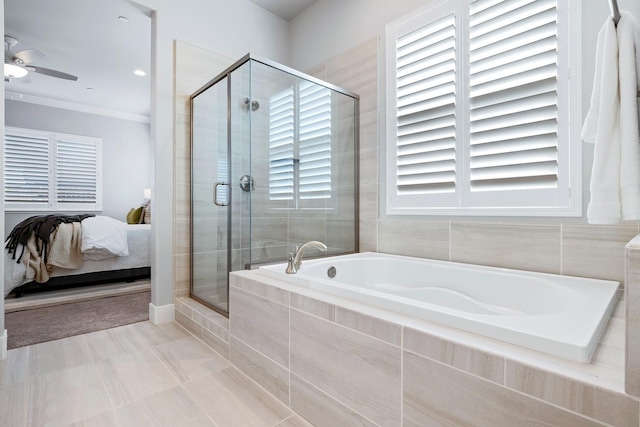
[632,333]
[337,362]
[558,315]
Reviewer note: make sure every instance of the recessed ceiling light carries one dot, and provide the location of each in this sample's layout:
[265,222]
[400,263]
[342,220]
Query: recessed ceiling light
[89,88]
[139,73]
[123,18]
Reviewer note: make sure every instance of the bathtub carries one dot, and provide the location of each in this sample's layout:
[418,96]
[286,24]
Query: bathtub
[559,315]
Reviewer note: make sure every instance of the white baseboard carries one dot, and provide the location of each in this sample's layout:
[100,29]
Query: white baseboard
[161,314]
[3,345]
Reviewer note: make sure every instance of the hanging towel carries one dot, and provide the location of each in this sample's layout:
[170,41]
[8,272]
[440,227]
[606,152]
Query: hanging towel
[612,124]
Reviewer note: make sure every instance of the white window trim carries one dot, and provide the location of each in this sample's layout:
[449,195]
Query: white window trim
[568,11]
[52,205]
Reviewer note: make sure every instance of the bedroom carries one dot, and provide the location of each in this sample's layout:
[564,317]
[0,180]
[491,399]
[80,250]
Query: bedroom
[60,106]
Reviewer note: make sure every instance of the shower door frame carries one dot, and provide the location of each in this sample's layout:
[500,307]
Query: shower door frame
[356,146]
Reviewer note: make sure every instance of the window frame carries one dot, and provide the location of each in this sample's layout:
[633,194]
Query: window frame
[53,204]
[568,197]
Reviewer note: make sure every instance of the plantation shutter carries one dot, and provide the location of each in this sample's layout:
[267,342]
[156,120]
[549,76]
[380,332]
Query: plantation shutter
[314,141]
[513,50]
[47,171]
[76,172]
[26,167]
[426,109]
[281,138]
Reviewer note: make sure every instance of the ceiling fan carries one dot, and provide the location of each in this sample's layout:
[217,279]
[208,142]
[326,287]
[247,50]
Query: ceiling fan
[17,65]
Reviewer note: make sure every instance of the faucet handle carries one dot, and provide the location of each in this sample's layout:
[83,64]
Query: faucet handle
[290,267]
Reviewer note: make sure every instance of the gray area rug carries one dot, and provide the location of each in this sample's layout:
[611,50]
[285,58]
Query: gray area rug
[33,326]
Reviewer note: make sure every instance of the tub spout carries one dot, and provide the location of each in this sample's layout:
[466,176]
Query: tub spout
[295,259]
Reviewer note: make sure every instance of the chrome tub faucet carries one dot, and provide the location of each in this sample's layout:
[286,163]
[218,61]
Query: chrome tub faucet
[295,259]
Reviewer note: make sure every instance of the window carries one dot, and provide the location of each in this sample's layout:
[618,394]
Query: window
[300,156]
[46,171]
[484,119]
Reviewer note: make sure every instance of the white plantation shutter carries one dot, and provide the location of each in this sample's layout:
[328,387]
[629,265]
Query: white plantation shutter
[76,172]
[513,95]
[315,141]
[281,138]
[480,95]
[426,109]
[50,171]
[26,168]
[300,144]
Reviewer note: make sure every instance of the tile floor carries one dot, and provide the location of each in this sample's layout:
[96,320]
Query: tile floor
[135,375]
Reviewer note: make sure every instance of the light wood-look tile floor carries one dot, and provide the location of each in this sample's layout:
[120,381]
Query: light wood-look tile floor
[136,375]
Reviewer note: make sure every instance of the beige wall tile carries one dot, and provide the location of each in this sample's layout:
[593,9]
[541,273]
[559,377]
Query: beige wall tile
[321,409]
[533,247]
[261,323]
[239,280]
[189,324]
[216,343]
[368,236]
[273,377]
[418,238]
[377,328]
[477,362]
[435,394]
[603,405]
[313,306]
[361,372]
[632,324]
[595,251]
[231,399]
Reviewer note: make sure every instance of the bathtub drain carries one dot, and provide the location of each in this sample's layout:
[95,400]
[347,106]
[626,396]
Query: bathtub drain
[331,272]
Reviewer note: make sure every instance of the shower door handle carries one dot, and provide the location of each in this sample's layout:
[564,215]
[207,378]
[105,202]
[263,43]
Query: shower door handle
[215,193]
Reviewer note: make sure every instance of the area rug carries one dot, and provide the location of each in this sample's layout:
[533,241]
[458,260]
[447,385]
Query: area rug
[37,325]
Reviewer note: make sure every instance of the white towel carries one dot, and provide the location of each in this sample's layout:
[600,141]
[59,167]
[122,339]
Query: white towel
[612,124]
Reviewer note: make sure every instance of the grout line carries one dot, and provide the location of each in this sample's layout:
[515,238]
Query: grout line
[402,375]
[561,249]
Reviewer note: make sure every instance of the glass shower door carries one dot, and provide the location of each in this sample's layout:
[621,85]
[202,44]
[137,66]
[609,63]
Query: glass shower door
[210,197]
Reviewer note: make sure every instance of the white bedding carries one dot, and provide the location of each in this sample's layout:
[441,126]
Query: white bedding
[137,246]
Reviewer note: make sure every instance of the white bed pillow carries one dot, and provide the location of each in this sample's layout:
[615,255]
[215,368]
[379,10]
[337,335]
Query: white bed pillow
[103,237]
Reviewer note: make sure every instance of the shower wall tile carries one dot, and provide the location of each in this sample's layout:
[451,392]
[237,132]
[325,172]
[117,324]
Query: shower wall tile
[302,230]
[368,236]
[321,409]
[319,71]
[369,130]
[603,405]
[533,247]
[596,251]
[414,238]
[361,372]
[476,362]
[271,376]
[632,324]
[369,201]
[183,201]
[182,274]
[183,239]
[484,404]
[254,318]
[189,324]
[357,70]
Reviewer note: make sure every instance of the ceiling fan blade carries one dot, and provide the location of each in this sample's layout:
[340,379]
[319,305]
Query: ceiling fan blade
[51,73]
[28,56]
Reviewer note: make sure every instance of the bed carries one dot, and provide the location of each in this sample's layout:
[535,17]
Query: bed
[110,250]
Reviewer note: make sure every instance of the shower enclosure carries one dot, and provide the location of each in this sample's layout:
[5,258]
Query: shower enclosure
[274,164]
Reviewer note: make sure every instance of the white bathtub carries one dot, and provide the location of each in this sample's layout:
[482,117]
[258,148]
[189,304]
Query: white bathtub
[560,315]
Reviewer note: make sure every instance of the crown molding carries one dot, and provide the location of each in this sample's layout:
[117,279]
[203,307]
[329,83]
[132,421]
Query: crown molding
[55,103]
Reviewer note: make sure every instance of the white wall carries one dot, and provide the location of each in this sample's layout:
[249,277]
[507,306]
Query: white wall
[126,149]
[227,28]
